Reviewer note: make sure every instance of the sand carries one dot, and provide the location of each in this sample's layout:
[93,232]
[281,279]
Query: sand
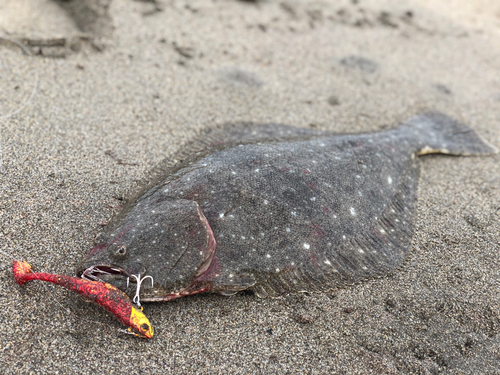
[124,84]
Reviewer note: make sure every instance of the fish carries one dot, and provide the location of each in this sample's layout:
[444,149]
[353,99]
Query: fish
[105,295]
[274,209]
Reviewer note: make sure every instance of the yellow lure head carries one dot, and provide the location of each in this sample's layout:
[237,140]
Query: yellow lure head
[140,325]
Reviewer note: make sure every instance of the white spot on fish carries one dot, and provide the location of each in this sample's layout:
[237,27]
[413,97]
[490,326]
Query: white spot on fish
[221,215]
[293,213]
[353,212]
[307,246]
[313,199]
[257,170]
[328,262]
[268,256]
[361,251]
[389,180]
[266,201]
[288,230]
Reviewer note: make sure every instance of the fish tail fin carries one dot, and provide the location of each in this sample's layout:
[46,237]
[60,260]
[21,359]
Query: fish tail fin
[21,270]
[439,133]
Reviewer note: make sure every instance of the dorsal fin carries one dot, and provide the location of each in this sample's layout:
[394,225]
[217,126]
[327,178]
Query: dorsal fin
[230,135]
[208,141]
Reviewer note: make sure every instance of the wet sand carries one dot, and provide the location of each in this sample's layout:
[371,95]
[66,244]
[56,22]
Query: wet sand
[122,87]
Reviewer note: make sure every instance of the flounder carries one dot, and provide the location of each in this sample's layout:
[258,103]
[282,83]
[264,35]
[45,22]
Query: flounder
[275,209]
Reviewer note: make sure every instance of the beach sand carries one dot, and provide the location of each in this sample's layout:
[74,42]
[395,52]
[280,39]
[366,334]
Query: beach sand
[124,84]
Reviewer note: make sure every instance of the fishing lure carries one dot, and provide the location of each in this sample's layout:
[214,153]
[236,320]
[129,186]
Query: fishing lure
[105,295]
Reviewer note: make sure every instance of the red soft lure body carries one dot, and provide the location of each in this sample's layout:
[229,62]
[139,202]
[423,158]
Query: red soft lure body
[105,295]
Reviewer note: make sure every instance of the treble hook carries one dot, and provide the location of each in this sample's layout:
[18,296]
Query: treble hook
[139,281]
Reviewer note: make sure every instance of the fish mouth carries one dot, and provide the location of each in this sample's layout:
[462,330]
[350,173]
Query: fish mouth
[104,273]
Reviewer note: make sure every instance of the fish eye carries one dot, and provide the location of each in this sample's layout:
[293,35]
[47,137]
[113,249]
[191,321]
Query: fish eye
[144,327]
[122,250]
[118,251]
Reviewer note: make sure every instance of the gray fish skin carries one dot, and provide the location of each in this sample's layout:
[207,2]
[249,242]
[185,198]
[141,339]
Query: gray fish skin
[277,209]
